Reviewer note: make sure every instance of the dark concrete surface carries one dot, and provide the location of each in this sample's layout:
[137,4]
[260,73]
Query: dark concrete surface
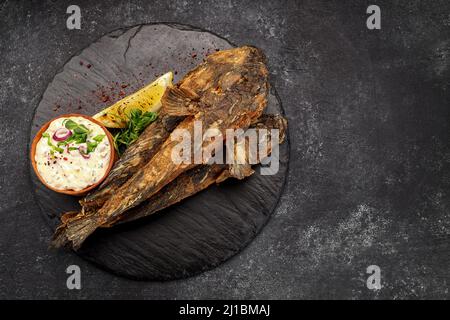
[370,151]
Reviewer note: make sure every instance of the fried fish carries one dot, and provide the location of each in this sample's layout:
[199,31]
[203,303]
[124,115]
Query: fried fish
[228,91]
[201,177]
[187,184]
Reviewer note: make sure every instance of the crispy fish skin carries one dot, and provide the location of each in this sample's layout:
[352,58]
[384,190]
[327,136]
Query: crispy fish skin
[228,91]
[199,178]
[133,159]
[186,185]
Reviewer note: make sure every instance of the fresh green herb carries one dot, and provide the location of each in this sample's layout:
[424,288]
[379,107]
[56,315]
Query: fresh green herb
[79,135]
[60,150]
[99,137]
[81,129]
[70,124]
[46,135]
[80,138]
[91,146]
[50,144]
[137,122]
[75,137]
[75,127]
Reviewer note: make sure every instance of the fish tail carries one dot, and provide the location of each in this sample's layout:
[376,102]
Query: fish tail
[74,230]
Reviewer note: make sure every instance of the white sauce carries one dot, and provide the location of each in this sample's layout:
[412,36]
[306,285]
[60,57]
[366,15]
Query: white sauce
[69,170]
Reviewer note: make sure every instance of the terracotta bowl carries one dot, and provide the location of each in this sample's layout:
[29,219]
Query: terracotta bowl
[72,192]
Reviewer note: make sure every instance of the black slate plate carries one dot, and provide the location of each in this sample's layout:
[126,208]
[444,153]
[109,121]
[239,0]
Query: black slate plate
[200,232]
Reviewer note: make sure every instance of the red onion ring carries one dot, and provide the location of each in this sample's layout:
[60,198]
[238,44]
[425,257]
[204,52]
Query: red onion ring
[61,134]
[83,151]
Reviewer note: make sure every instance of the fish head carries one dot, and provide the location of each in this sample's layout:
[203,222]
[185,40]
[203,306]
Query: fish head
[231,85]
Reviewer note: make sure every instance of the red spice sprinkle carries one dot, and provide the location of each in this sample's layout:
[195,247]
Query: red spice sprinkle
[105,98]
[124,85]
[121,93]
[81,63]
[89,66]
[65,159]
[194,55]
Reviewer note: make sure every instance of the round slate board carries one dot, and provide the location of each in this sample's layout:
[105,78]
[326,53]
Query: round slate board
[200,232]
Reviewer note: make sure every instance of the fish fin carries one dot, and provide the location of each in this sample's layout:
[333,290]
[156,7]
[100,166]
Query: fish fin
[74,230]
[95,200]
[223,176]
[180,102]
[238,171]
[241,171]
[68,216]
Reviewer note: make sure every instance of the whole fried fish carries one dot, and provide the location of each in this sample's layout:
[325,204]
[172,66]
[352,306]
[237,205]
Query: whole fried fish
[133,159]
[228,91]
[187,184]
[201,177]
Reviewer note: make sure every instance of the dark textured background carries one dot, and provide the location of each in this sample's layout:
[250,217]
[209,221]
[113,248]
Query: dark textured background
[370,151]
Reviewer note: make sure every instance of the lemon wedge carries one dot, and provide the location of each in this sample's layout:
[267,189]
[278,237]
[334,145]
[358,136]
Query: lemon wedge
[145,99]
